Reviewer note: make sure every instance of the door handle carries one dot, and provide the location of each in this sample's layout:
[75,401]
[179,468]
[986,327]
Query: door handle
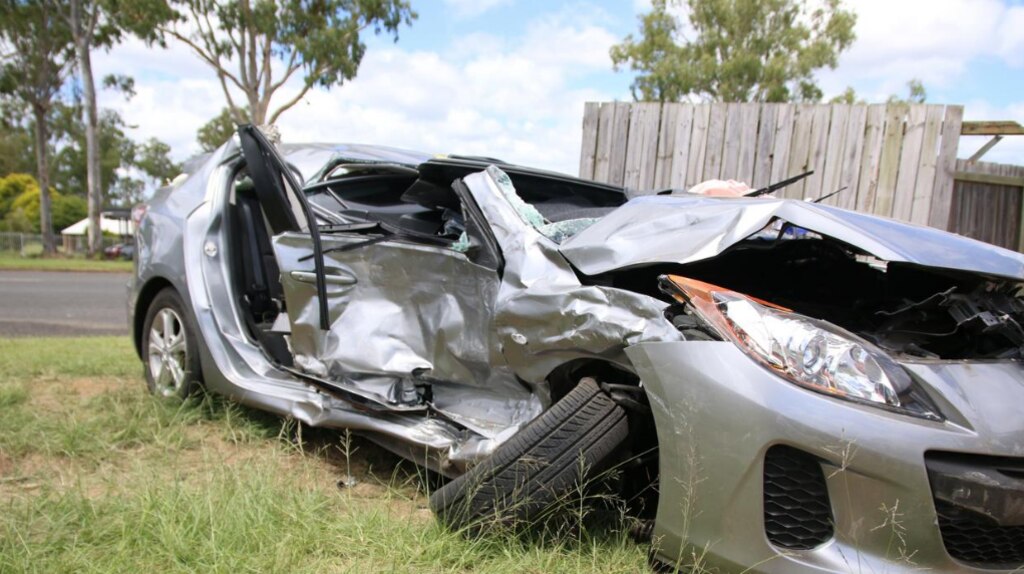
[333,279]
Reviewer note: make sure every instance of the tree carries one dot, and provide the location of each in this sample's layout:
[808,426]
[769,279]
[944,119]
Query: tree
[67,209]
[16,152]
[39,54]
[215,132]
[916,94]
[243,39]
[126,166]
[741,50]
[92,23]
[11,187]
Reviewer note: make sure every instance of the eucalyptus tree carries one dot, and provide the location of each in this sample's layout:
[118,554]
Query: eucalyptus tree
[38,54]
[735,50]
[257,47]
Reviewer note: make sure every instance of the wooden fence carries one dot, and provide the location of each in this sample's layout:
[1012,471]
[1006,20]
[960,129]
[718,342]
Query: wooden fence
[895,160]
[987,203]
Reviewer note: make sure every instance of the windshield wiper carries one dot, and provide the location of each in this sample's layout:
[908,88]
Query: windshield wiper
[779,185]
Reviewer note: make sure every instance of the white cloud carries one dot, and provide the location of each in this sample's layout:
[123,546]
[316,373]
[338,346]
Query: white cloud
[934,40]
[513,98]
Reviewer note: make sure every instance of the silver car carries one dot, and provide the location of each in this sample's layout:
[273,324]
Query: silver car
[777,385]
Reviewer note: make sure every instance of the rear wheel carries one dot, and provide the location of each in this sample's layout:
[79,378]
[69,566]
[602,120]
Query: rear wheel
[526,477]
[169,350]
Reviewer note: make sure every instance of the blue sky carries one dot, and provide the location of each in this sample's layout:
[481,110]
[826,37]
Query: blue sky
[508,78]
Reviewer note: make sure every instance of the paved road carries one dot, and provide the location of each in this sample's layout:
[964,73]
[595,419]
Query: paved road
[47,303]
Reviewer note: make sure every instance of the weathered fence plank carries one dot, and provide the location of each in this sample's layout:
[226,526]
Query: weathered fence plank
[605,134]
[799,156]
[926,167]
[617,157]
[816,153]
[867,186]
[942,196]
[765,145]
[641,146]
[698,145]
[849,175]
[895,160]
[591,115]
[889,164]
[910,159]
[784,123]
[716,141]
[988,211]
[666,146]
[834,148]
[748,143]
[681,147]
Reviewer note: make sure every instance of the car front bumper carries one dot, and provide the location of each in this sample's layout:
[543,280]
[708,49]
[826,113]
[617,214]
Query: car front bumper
[718,412]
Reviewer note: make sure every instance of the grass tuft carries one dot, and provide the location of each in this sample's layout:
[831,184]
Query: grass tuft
[14,261]
[96,475]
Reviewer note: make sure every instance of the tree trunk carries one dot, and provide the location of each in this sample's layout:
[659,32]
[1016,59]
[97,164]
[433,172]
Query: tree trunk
[93,185]
[43,174]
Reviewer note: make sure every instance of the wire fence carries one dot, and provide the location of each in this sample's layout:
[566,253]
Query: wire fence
[31,244]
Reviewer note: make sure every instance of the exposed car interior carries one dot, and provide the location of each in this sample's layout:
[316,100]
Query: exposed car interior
[378,200]
[421,200]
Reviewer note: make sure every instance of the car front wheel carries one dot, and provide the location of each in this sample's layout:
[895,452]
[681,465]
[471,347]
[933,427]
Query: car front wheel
[526,477]
[169,350]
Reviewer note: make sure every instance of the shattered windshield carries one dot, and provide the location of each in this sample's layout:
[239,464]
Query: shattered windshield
[557,231]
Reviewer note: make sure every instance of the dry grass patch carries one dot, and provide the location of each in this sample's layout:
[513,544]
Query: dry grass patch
[98,476]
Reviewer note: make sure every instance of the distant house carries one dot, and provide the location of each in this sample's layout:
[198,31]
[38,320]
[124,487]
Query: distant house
[112,222]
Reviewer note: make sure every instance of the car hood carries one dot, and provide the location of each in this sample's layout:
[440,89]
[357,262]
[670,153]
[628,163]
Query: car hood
[687,228]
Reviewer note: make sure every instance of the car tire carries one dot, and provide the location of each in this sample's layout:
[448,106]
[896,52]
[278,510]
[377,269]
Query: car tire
[170,352]
[522,482]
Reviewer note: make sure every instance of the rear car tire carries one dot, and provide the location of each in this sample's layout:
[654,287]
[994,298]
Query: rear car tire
[170,353]
[525,478]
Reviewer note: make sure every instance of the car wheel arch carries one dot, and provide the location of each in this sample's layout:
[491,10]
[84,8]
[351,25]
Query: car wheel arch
[622,384]
[145,298]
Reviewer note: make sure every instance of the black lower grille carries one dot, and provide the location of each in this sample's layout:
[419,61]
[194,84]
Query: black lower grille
[797,512]
[978,500]
[978,540]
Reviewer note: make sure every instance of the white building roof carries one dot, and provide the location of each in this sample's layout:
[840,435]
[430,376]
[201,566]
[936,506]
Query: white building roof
[107,224]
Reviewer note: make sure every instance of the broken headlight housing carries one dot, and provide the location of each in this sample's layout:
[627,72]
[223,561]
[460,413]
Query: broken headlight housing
[808,352]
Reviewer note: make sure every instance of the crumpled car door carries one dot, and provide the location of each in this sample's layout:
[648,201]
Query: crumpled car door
[394,307]
[404,317]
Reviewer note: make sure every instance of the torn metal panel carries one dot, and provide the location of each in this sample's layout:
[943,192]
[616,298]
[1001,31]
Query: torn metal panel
[683,229]
[544,316]
[406,315]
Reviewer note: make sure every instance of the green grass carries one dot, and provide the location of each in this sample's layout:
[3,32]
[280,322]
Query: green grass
[98,476]
[14,261]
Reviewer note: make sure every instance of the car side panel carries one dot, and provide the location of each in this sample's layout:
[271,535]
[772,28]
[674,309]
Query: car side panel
[412,314]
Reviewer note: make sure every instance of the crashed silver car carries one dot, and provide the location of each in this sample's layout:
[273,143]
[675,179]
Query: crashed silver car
[781,386]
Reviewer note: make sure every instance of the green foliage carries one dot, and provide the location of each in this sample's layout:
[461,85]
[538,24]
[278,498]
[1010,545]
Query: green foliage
[16,152]
[318,38]
[916,94]
[65,210]
[849,96]
[741,50]
[126,166]
[17,260]
[37,49]
[215,132]
[13,185]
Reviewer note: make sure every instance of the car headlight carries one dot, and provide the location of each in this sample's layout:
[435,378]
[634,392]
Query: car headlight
[811,353]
